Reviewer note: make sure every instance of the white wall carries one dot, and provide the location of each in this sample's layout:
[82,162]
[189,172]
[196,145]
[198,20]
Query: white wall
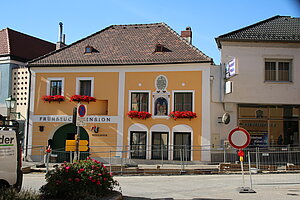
[249,85]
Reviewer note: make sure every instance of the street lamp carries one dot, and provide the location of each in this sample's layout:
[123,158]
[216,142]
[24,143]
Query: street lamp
[10,104]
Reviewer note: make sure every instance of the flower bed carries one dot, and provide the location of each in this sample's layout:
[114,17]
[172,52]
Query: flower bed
[50,98]
[139,114]
[182,114]
[78,180]
[83,98]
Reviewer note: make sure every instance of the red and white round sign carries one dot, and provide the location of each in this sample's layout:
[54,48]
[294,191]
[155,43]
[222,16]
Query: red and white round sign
[239,138]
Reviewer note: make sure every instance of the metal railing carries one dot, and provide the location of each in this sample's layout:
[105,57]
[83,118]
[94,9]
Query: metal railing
[182,156]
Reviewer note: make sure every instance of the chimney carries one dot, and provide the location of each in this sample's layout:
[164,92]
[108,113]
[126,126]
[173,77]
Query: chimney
[187,34]
[61,37]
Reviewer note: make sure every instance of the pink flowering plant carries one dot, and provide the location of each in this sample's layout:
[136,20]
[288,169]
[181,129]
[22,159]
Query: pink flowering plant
[79,180]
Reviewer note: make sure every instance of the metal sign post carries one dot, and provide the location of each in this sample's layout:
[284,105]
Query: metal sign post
[80,121]
[239,138]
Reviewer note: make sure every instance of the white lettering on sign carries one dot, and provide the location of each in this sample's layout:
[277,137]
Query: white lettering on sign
[68,119]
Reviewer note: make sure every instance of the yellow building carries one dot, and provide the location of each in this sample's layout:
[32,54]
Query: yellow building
[137,76]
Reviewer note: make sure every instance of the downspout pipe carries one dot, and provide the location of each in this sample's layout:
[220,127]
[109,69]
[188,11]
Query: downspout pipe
[28,113]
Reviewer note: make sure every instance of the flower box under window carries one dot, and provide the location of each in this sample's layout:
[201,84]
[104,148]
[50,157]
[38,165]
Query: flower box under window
[50,98]
[138,114]
[83,98]
[182,114]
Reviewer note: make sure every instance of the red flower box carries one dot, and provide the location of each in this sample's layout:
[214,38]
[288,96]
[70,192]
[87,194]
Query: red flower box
[139,114]
[84,98]
[182,114]
[50,98]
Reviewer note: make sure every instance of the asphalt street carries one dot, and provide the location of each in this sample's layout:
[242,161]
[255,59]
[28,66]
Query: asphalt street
[198,187]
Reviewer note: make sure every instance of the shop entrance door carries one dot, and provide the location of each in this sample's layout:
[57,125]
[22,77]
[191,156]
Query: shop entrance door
[182,146]
[138,144]
[291,133]
[58,143]
[160,145]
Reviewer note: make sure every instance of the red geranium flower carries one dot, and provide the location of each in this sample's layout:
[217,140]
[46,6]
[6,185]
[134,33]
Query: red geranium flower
[182,114]
[50,98]
[139,114]
[84,98]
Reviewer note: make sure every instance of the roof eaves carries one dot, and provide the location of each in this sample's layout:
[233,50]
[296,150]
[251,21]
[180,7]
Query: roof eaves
[253,40]
[114,64]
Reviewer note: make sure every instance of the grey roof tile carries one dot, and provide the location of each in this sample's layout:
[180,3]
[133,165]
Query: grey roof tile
[275,29]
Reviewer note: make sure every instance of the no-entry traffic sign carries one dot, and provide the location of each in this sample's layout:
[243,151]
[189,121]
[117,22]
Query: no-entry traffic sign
[239,138]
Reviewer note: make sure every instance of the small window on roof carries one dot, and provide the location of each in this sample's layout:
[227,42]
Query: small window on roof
[159,48]
[88,49]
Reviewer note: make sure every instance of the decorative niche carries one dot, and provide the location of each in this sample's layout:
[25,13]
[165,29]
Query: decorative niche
[161,98]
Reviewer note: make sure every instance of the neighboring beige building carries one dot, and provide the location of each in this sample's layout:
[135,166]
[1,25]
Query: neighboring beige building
[258,83]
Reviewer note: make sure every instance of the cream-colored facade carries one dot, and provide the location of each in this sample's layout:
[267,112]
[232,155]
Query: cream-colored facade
[108,129]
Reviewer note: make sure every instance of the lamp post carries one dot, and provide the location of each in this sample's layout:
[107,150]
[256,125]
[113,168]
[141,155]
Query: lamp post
[10,104]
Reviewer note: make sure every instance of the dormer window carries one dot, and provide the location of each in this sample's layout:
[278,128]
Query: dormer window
[159,48]
[88,49]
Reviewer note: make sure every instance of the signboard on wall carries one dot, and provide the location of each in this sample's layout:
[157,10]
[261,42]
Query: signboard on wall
[231,68]
[228,87]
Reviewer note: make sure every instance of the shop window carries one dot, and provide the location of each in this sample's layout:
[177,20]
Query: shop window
[183,101]
[139,101]
[278,70]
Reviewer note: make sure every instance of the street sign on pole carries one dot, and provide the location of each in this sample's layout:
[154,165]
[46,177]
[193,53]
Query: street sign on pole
[81,115]
[71,145]
[239,138]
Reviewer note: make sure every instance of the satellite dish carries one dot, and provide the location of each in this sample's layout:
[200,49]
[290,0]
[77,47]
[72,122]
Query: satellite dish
[226,118]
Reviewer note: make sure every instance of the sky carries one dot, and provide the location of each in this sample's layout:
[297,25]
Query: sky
[207,18]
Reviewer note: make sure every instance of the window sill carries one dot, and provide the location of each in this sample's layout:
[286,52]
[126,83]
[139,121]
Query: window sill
[279,82]
[160,117]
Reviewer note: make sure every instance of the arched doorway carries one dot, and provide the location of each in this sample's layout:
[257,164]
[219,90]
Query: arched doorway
[58,143]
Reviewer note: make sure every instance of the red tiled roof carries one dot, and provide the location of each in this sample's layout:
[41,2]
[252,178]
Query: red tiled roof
[126,45]
[21,46]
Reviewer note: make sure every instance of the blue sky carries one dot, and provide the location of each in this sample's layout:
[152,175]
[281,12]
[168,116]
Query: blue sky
[208,19]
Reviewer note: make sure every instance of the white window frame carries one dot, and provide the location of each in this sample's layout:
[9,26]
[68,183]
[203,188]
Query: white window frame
[78,79]
[56,79]
[183,91]
[139,91]
[277,70]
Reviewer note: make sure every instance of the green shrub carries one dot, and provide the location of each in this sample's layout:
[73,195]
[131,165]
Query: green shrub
[12,194]
[84,179]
